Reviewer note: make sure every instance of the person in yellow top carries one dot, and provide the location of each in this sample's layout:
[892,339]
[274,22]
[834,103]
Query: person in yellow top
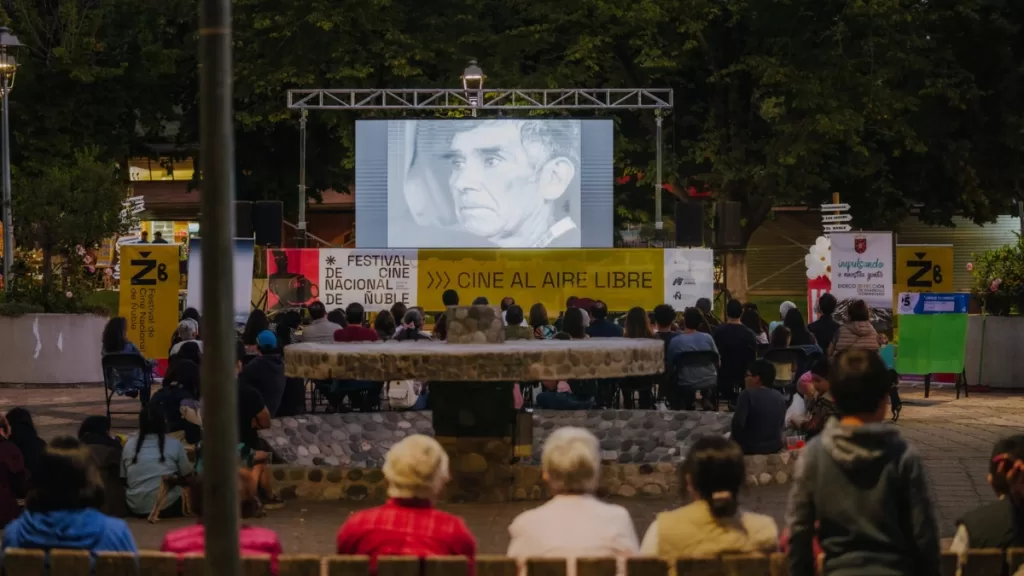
[713,523]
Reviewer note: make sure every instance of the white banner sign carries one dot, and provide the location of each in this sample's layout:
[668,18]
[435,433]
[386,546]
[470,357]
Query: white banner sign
[689,276]
[377,279]
[862,267]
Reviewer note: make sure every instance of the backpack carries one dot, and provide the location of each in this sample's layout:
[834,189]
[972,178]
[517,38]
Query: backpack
[403,394]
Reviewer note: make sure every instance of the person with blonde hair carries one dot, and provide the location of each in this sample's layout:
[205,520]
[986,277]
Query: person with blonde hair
[416,470]
[574,523]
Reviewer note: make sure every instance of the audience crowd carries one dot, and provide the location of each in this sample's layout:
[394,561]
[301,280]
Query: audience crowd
[860,494]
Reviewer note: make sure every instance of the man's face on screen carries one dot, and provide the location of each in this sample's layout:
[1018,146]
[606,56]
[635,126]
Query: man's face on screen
[494,181]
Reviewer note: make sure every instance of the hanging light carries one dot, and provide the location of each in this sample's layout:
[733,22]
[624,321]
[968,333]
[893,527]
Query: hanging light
[9,48]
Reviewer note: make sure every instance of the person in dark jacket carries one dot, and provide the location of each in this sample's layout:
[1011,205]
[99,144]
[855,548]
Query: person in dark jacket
[106,457]
[997,524]
[60,512]
[860,488]
[760,412]
[181,383]
[265,373]
[23,434]
[824,329]
[600,326]
[13,477]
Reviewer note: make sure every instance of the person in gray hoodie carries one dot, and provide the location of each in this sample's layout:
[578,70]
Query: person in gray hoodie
[860,488]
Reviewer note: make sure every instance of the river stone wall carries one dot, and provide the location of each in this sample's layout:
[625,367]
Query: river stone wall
[360,440]
[339,456]
[445,362]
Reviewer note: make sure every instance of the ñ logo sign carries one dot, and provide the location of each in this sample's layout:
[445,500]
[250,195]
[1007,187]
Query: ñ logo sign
[330,260]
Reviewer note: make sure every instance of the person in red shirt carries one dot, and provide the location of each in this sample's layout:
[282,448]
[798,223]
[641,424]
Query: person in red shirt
[416,470]
[355,331]
[253,540]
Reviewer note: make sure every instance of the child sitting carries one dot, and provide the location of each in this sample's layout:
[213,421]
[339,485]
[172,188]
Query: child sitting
[821,408]
[994,525]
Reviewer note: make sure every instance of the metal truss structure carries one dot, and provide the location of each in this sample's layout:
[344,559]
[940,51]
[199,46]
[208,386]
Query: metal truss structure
[487,99]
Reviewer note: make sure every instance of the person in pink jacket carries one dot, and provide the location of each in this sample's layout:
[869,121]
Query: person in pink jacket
[253,540]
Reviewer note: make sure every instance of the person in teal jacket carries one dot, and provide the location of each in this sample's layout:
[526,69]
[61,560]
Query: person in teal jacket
[61,512]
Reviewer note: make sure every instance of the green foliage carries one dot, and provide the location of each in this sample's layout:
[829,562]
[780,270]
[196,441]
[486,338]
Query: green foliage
[70,290]
[901,107]
[999,276]
[59,208]
[65,204]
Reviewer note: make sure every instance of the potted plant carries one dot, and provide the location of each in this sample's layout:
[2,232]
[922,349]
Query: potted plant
[999,278]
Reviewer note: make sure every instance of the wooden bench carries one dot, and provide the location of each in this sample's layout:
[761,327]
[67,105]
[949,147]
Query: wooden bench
[78,563]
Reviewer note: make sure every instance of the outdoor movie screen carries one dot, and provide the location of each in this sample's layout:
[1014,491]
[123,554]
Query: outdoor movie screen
[484,183]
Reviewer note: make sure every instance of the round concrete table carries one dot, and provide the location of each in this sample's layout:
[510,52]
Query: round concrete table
[471,389]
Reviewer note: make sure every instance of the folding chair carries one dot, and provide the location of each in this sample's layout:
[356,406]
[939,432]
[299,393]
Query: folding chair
[121,368]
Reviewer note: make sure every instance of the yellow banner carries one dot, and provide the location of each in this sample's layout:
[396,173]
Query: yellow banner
[621,278]
[924,268]
[149,295]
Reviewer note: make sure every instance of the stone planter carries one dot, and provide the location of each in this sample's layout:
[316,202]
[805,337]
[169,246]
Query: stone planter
[51,350]
[993,356]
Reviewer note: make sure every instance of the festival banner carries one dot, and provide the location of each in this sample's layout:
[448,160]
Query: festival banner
[689,275]
[377,279]
[149,295]
[862,267]
[924,268]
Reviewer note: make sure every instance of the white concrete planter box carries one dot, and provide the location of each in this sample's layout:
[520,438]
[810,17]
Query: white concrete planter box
[1001,363]
[51,350]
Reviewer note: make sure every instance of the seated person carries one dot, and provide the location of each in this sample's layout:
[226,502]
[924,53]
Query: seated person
[822,408]
[180,382]
[783,370]
[354,331]
[760,412]
[105,451]
[62,509]
[147,458]
[252,540]
[557,395]
[188,331]
[115,341]
[265,372]
[693,378]
[713,523]
[416,470]
[796,414]
[860,489]
[254,416]
[320,329]
[995,524]
[514,329]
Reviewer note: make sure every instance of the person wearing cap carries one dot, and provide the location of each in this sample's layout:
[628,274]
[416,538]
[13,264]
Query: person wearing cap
[265,372]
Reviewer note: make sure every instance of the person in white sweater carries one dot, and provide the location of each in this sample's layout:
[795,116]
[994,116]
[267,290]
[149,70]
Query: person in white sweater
[574,523]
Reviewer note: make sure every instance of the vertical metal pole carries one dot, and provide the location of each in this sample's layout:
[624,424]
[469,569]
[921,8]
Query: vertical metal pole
[302,179]
[220,391]
[8,229]
[658,223]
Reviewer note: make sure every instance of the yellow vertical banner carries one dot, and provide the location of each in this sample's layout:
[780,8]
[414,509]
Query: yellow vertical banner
[149,295]
[924,268]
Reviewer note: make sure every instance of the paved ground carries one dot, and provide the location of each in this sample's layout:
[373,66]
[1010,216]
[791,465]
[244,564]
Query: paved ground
[954,436]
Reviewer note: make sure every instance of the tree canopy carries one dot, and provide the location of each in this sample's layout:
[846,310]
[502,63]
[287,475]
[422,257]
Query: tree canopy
[898,105]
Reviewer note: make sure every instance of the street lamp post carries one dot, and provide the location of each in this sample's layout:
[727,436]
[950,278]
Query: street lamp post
[473,81]
[9,47]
